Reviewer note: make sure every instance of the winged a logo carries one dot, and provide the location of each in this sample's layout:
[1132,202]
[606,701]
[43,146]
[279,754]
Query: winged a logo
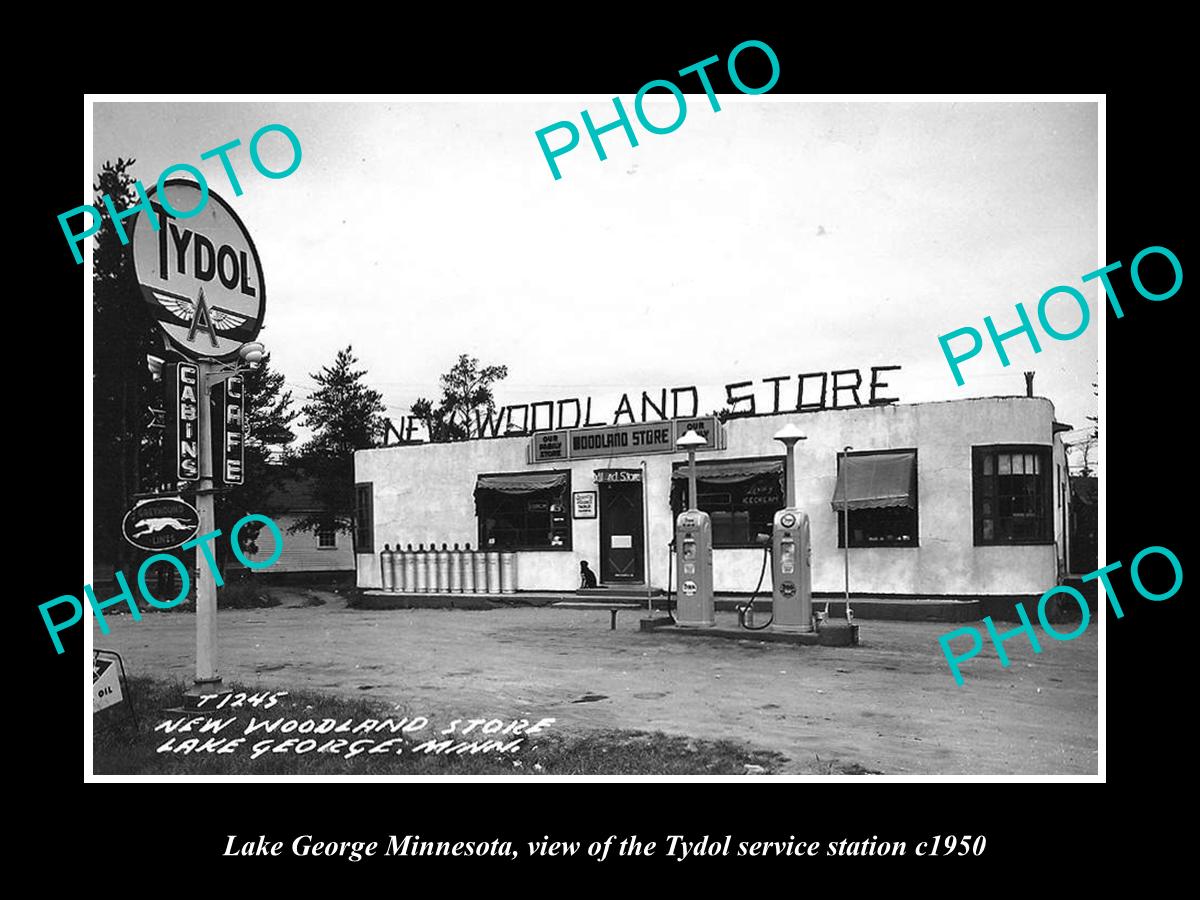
[222,319]
[199,316]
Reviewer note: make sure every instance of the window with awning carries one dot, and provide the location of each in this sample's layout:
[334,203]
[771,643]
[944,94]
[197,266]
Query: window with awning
[524,510]
[877,491]
[740,496]
[522,483]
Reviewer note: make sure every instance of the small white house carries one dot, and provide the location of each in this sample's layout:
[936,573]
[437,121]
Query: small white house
[318,553]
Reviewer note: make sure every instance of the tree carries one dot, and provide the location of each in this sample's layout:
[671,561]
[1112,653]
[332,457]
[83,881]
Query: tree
[345,415]
[125,458]
[466,400]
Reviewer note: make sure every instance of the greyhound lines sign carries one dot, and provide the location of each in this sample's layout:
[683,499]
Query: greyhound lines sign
[161,523]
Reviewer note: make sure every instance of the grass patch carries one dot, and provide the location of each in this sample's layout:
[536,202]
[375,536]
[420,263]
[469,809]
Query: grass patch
[120,750]
[245,594]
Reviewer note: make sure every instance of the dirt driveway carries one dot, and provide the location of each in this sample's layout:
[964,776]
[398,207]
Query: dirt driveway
[889,704]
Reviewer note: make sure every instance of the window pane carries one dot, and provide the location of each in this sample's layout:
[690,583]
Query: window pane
[988,532]
[522,521]
[1004,464]
[987,464]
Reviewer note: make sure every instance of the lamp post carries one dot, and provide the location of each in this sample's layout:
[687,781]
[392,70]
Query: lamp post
[788,435]
[211,373]
[646,535]
[845,529]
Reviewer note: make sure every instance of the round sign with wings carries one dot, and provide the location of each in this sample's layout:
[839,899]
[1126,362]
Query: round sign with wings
[200,275]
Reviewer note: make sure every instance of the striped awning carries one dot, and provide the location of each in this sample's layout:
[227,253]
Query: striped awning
[523,483]
[731,472]
[877,480]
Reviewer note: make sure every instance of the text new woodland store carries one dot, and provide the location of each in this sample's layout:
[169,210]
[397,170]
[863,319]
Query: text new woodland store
[960,498]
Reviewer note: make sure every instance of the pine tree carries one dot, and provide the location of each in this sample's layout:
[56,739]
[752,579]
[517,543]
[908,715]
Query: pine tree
[466,396]
[345,415]
[125,455]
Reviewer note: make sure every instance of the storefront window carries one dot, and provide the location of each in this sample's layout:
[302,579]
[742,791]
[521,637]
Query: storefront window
[741,497]
[878,492]
[1012,494]
[524,511]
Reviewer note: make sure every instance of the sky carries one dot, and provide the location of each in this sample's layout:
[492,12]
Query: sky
[772,237]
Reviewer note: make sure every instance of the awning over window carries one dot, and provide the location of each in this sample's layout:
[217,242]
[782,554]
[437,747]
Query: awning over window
[524,483]
[731,472]
[877,480]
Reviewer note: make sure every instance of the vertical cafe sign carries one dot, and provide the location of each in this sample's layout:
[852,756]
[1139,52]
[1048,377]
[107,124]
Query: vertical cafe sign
[229,430]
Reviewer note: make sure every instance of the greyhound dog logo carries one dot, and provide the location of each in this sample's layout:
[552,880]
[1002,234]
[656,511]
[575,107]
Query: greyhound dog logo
[158,523]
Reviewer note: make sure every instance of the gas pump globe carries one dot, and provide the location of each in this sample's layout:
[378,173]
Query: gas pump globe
[693,551]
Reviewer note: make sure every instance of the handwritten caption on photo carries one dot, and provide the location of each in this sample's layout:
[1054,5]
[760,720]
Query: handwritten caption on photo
[205,733]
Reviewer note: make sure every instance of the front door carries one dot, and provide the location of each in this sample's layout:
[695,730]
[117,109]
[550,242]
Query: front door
[621,539]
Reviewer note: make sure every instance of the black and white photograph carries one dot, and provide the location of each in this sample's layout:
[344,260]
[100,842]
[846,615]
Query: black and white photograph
[711,434]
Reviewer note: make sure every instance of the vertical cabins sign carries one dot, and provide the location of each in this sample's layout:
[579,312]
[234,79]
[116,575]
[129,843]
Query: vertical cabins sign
[181,435]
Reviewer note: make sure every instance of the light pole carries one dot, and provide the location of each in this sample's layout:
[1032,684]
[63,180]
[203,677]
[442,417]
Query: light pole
[646,534]
[845,529]
[788,435]
[210,373]
[690,442]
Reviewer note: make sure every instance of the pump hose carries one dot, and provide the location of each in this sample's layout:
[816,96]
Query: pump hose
[749,603]
[670,569]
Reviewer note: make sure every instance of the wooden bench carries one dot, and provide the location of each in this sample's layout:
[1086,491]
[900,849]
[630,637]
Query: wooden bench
[612,607]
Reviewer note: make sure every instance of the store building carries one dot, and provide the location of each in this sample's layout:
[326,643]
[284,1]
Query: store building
[953,499]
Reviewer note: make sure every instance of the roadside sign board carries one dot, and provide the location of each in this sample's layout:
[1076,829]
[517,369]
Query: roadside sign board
[160,523]
[200,275]
[106,683]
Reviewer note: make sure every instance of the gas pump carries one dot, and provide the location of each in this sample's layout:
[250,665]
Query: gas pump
[791,551]
[693,549]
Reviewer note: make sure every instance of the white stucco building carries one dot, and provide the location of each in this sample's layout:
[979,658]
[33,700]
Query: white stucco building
[953,499]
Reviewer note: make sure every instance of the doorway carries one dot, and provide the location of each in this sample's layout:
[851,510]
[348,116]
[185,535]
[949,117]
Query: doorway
[622,540]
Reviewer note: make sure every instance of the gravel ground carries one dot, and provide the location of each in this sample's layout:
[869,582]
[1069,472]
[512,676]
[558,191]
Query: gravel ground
[889,705]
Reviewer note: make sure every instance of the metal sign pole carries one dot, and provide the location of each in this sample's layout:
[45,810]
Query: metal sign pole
[846,526]
[646,534]
[207,679]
